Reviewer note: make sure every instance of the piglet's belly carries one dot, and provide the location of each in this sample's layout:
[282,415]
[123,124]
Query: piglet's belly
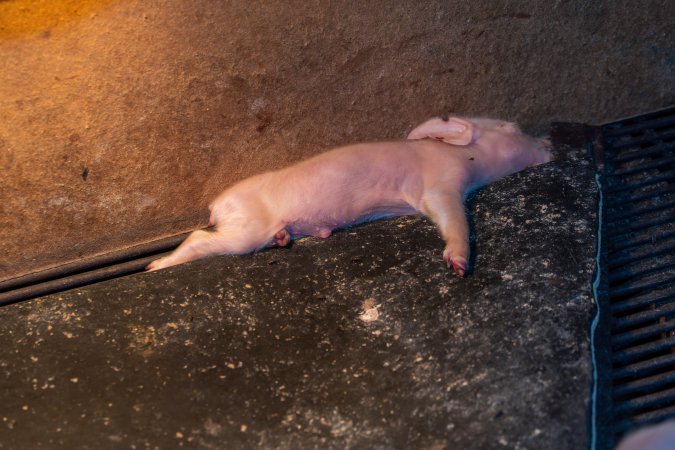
[322,227]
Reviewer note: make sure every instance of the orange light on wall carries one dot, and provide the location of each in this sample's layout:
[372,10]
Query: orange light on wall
[23,17]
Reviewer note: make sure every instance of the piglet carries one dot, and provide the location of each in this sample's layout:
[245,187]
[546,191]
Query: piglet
[430,173]
[653,437]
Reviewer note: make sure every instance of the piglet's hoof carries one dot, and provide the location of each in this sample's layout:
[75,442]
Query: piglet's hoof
[459,267]
[458,264]
[155,265]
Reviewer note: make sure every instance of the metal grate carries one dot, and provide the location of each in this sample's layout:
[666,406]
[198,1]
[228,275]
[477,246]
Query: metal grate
[639,240]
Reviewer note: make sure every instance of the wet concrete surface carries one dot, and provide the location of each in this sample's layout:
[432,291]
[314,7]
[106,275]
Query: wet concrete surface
[362,340]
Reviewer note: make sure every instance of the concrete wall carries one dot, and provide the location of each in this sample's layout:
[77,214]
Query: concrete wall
[120,120]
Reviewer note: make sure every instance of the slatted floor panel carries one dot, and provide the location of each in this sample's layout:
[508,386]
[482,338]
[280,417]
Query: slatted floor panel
[639,216]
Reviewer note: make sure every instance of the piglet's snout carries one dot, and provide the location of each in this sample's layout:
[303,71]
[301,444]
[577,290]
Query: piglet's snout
[544,150]
[538,152]
[528,152]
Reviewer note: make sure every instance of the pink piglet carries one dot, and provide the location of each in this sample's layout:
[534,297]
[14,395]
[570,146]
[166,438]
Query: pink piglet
[429,174]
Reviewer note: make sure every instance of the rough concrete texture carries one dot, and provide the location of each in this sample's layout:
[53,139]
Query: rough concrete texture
[362,340]
[120,121]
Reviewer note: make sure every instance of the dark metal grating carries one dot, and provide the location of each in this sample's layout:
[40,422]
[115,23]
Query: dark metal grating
[638,224]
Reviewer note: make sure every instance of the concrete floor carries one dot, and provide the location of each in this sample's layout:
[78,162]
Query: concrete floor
[362,340]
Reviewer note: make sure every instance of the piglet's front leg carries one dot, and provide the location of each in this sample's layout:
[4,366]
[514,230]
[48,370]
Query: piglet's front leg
[446,210]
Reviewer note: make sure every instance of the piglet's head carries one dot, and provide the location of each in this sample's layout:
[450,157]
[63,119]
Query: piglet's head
[502,139]
[462,130]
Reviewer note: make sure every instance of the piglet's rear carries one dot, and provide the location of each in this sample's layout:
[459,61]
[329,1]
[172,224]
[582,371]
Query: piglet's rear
[430,174]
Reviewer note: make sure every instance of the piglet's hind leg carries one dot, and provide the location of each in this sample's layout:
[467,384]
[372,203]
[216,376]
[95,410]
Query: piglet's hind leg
[447,212]
[199,244]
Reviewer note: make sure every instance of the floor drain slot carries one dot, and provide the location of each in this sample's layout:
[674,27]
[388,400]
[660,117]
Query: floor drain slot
[88,271]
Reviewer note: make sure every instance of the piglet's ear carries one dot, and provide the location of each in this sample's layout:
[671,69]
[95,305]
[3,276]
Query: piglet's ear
[452,130]
[457,131]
